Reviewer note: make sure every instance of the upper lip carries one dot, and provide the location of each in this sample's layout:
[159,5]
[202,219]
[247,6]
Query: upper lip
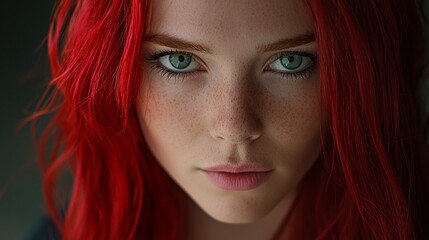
[238,168]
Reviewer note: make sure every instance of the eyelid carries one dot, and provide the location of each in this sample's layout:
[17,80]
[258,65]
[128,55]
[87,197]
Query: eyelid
[156,56]
[276,57]
[154,61]
[162,53]
[313,57]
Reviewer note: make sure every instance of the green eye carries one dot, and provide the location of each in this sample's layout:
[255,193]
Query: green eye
[292,63]
[179,62]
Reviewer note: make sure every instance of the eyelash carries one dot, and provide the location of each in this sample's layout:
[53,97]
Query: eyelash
[182,76]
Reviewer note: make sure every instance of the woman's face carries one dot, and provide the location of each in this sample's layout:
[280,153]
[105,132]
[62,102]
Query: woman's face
[231,84]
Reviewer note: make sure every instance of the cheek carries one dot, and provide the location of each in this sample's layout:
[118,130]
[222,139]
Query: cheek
[295,128]
[166,122]
[297,118]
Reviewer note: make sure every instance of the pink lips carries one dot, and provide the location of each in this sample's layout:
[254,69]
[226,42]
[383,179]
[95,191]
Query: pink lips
[238,178]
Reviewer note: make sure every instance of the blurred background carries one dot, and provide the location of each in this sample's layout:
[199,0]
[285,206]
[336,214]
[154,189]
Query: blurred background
[24,71]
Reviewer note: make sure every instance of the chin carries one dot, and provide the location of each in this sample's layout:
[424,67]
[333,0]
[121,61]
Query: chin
[236,213]
[235,219]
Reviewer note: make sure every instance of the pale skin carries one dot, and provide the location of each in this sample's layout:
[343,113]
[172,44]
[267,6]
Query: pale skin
[235,107]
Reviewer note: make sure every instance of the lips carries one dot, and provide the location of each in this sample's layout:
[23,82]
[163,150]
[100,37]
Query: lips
[238,178]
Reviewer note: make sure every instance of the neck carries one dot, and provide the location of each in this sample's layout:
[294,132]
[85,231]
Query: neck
[199,225]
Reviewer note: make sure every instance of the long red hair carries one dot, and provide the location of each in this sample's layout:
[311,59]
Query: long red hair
[372,178]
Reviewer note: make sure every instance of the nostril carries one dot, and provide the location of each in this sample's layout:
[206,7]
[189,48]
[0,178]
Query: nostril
[245,135]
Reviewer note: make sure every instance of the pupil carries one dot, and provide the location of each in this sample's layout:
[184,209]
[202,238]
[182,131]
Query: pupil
[181,58]
[291,62]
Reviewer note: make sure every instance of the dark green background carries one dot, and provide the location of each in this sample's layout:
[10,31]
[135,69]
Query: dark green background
[24,70]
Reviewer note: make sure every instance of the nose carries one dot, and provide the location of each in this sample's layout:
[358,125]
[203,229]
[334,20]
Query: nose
[234,111]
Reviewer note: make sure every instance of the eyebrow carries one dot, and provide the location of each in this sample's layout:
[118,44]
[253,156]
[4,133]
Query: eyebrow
[288,43]
[175,42]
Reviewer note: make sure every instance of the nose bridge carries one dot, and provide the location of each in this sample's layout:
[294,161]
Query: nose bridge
[234,117]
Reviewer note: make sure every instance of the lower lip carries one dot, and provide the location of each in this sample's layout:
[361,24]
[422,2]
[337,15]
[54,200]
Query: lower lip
[238,181]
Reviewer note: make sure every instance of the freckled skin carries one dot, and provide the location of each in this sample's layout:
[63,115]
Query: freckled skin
[233,111]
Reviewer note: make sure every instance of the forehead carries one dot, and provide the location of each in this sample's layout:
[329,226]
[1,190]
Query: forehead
[224,24]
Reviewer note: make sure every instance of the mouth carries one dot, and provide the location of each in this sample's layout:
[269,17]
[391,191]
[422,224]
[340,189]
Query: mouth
[238,178]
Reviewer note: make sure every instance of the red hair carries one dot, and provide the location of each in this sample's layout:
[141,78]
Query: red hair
[375,167]
[371,180]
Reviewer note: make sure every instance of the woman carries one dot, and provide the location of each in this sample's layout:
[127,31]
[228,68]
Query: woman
[280,119]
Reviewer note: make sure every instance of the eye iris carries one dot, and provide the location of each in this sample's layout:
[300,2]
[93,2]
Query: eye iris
[180,61]
[291,61]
